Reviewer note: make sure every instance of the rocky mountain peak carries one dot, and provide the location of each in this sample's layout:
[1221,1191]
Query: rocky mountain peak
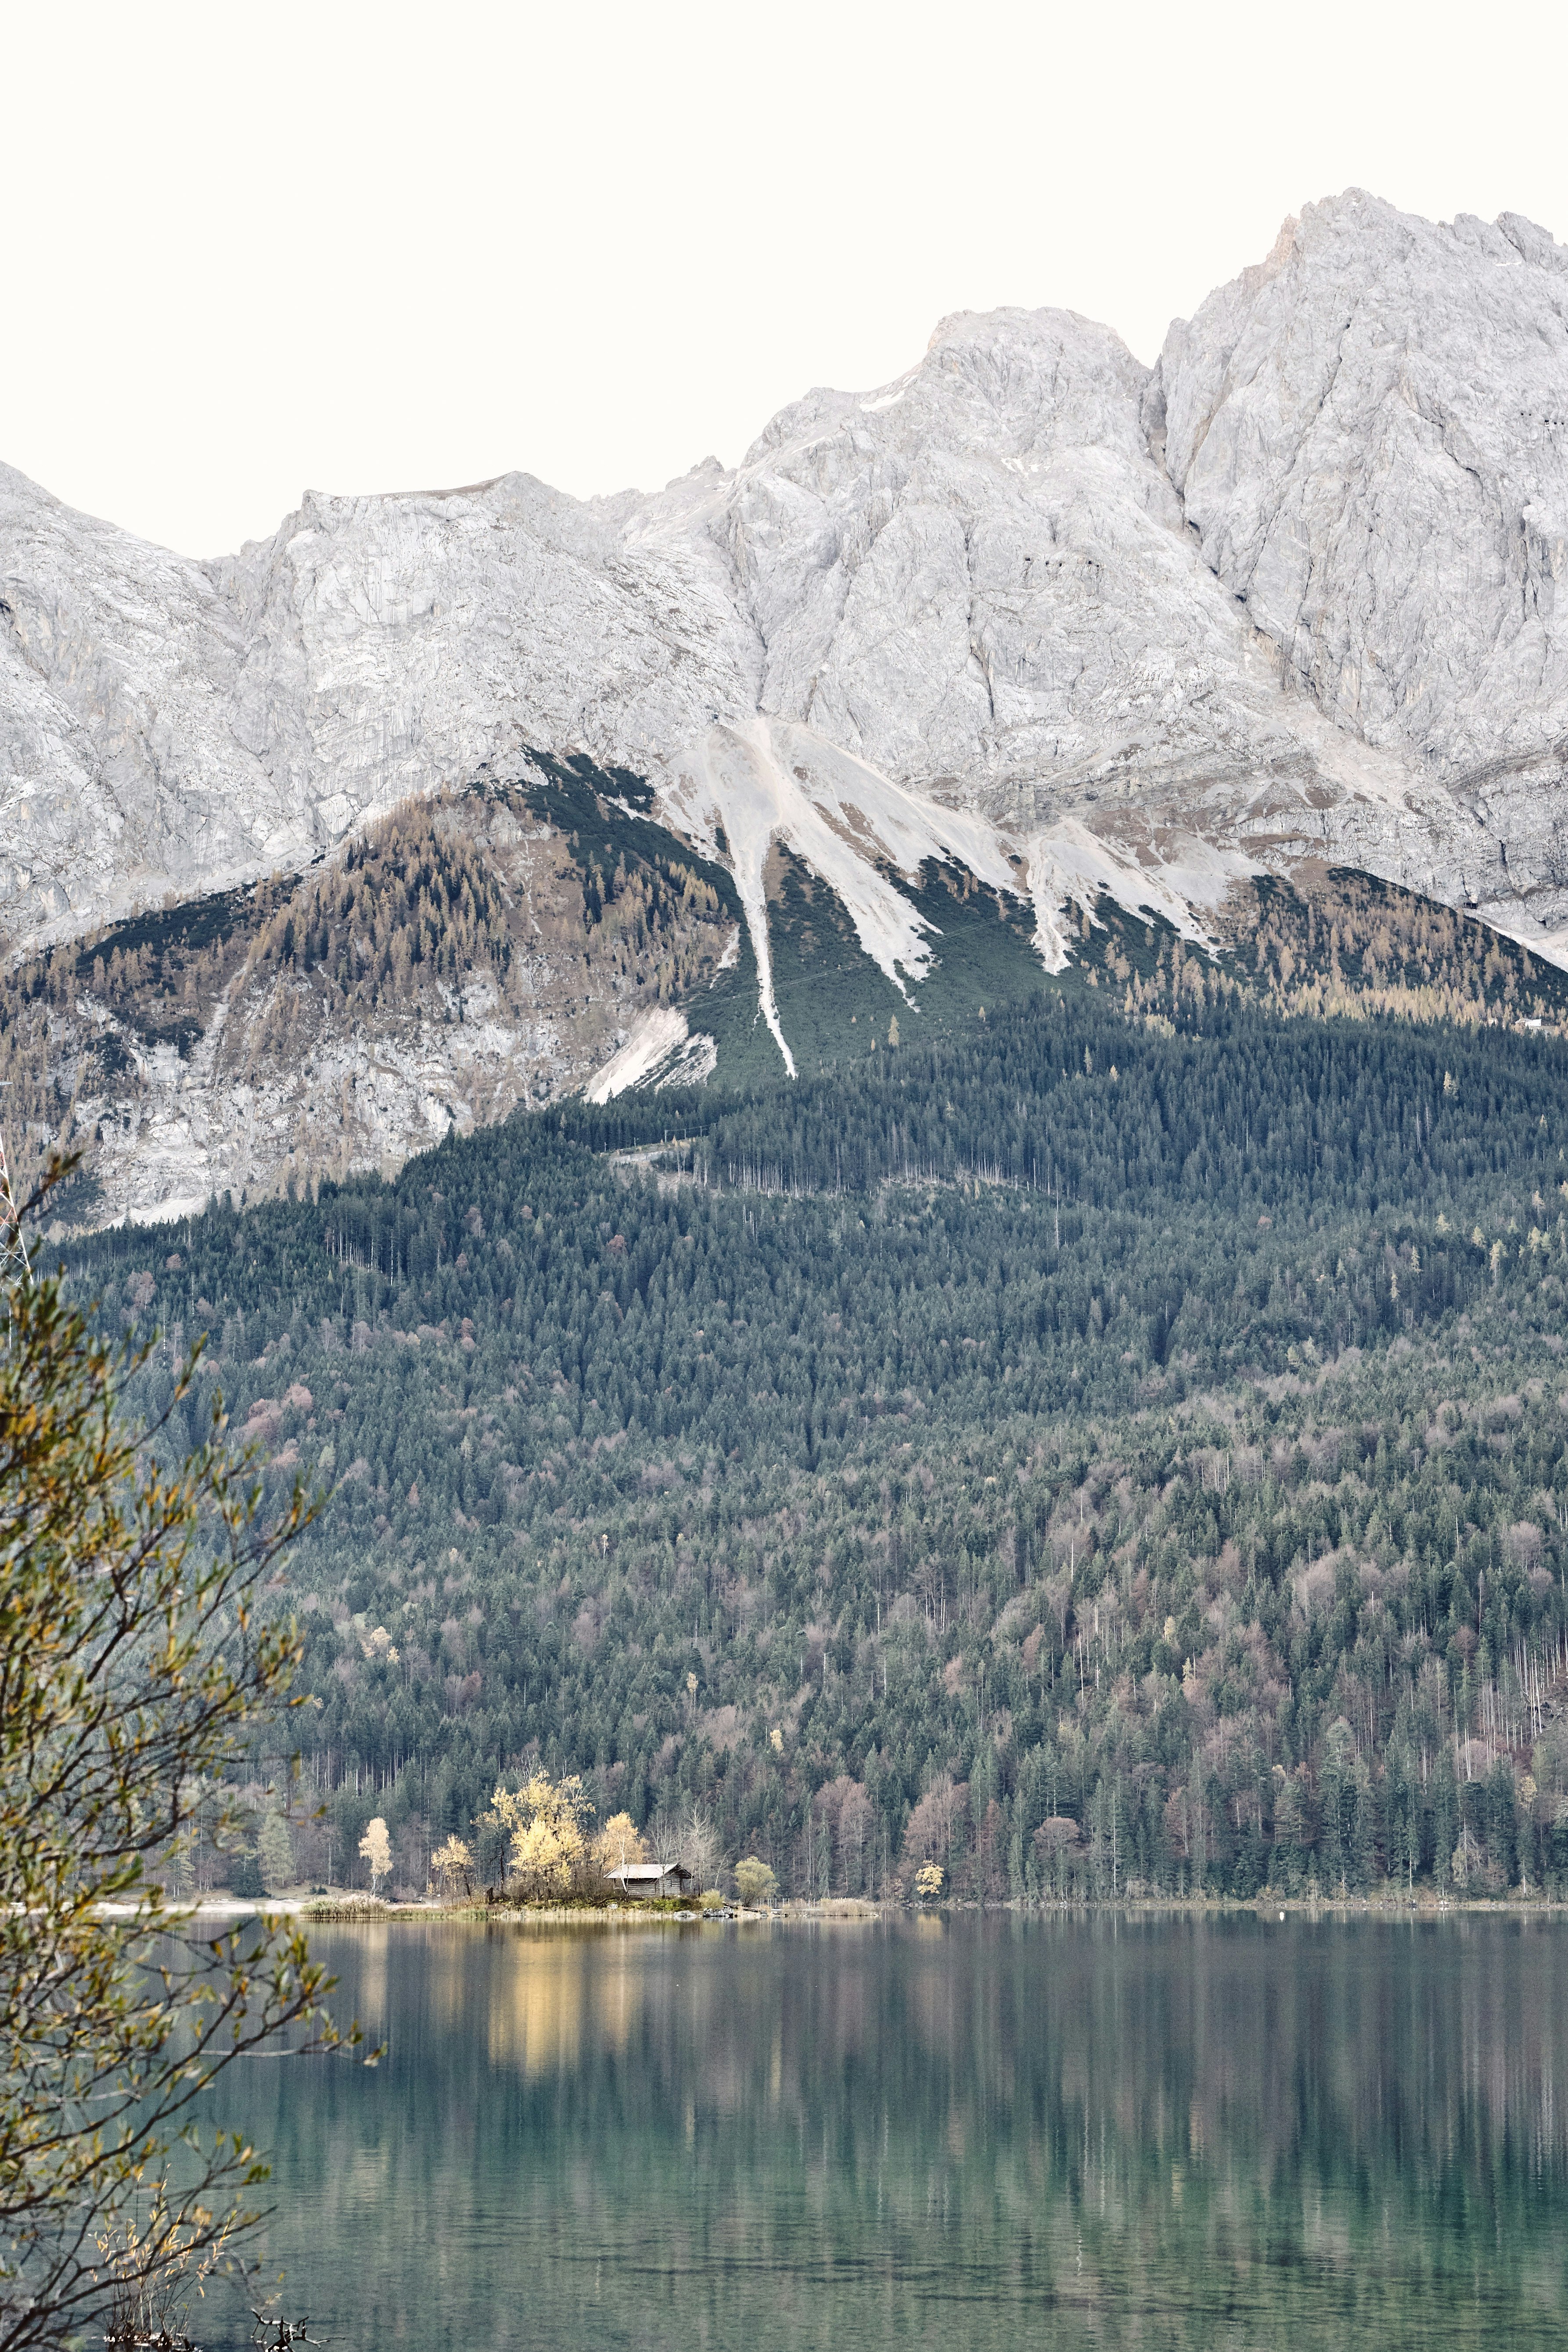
[1370,437]
[1031,608]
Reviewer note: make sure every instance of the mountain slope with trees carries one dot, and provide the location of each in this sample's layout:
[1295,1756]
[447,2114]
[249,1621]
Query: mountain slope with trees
[1095,1453]
[504,945]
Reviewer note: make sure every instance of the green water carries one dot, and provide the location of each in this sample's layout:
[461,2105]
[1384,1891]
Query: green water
[1094,2131]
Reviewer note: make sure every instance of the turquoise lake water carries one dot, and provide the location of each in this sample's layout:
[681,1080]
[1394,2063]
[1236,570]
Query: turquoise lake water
[1097,2130]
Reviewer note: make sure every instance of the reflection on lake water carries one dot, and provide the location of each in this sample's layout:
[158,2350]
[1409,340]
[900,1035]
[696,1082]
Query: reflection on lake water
[1101,2130]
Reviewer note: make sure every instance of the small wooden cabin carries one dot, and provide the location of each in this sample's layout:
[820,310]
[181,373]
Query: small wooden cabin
[640,1882]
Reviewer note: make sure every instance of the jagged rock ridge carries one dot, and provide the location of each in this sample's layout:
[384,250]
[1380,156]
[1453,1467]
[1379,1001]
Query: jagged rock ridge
[1073,624]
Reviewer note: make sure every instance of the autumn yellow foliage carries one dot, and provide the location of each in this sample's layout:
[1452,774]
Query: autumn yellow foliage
[548,1825]
[619,1842]
[449,1866]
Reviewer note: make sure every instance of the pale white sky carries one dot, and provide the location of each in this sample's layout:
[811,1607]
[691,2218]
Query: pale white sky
[366,247]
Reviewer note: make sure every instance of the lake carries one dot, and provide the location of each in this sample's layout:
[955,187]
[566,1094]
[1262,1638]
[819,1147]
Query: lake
[984,2130]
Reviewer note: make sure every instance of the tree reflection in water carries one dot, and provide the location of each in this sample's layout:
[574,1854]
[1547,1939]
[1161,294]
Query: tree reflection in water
[1106,2129]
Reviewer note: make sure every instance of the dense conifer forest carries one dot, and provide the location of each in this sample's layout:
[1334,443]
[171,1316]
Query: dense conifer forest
[1116,1446]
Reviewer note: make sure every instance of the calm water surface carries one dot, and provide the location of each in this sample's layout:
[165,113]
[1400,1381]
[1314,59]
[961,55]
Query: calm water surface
[970,2132]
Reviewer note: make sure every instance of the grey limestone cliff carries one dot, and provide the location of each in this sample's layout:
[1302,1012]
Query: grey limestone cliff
[1288,596]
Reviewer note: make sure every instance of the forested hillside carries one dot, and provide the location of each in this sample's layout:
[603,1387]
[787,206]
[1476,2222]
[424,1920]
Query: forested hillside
[1095,1453]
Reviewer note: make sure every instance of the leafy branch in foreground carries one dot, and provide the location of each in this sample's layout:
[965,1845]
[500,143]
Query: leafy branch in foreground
[133,1661]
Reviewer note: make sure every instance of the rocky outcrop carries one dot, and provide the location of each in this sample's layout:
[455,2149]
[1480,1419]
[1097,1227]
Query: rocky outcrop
[1369,434]
[461,961]
[169,725]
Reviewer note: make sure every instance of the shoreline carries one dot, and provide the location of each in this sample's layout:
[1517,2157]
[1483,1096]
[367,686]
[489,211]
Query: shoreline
[327,1912]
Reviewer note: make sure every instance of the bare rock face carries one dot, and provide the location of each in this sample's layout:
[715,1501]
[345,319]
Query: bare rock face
[395,644]
[979,577]
[120,769]
[1085,626]
[1370,436]
[171,725]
